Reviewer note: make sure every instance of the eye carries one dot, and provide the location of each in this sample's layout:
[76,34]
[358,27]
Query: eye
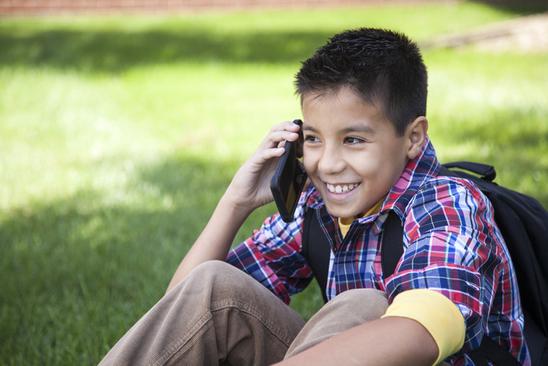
[311,139]
[353,140]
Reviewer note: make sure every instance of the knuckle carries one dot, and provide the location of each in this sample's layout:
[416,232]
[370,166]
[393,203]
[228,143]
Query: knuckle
[281,126]
[276,127]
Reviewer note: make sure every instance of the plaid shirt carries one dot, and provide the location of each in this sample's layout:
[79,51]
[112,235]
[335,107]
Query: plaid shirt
[451,245]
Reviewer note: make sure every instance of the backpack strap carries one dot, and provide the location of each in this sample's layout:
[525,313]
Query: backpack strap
[491,351]
[484,171]
[317,256]
[392,244]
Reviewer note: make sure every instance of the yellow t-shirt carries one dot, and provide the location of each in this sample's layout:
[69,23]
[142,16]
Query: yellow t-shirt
[345,222]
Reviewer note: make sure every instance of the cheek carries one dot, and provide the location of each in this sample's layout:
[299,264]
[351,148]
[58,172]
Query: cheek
[381,169]
[310,161]
[368,167]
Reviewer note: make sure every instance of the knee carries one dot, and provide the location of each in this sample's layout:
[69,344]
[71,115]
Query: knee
[213,270]
[360,295]
[213,267]
[218,276]
[371,303]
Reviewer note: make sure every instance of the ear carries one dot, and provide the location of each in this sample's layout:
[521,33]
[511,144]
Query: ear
[416,135]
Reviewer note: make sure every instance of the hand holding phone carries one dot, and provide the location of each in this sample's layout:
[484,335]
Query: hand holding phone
[289,178]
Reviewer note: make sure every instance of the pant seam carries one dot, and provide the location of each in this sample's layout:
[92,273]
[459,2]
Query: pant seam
[176,345]
[247,309]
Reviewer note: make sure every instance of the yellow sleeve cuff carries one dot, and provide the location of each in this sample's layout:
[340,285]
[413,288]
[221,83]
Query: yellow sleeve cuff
[439,315]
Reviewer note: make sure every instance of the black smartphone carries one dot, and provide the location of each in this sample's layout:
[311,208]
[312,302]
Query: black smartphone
[289,178]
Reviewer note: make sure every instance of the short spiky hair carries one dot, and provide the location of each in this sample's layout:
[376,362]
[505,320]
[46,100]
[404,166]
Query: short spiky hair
[382,66]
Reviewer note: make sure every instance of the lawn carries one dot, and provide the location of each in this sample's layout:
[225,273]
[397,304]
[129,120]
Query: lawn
[118,134]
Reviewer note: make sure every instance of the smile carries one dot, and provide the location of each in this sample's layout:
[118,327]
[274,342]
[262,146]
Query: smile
[341,188]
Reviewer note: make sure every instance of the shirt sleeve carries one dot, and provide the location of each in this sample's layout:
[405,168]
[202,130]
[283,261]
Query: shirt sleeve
[441,318]
[452,248]
[272,255]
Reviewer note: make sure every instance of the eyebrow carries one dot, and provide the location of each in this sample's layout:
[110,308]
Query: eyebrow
[359,128]
[350,129]
[309,128]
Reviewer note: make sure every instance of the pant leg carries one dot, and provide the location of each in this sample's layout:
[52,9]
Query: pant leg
[345,311]
[217,315]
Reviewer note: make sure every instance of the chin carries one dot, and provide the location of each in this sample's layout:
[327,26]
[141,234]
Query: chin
[341,211]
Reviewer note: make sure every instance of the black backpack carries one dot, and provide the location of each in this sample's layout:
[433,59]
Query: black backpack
[523,223]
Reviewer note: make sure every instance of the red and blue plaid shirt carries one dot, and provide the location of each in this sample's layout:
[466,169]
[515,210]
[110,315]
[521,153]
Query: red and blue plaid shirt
[451,245]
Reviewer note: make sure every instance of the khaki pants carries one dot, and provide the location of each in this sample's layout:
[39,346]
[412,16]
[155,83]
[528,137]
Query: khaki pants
[221,316]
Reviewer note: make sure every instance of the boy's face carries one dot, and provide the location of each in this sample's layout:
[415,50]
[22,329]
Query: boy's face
[352,153]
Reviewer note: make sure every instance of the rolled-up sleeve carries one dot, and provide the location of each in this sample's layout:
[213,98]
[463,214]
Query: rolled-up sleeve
[272,255]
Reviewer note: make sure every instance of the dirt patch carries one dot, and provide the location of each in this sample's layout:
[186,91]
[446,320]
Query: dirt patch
[524,34]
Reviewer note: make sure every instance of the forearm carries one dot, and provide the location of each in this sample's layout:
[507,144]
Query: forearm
[388,341]
[215,240]
[249,189]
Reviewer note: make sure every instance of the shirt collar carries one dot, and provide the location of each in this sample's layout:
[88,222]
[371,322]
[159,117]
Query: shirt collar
[416,172]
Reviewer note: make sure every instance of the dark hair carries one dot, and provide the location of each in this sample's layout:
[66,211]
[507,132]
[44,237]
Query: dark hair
[380,65]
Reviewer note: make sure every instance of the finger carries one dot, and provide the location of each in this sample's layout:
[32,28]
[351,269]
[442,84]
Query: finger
[268,154]
[286,126]
[277,136]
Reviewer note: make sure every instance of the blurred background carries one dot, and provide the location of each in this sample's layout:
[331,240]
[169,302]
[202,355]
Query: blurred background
[122,122]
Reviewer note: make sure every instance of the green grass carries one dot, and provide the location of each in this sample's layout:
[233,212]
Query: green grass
[118,135]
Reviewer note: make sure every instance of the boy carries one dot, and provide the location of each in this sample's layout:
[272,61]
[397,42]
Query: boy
[367,153]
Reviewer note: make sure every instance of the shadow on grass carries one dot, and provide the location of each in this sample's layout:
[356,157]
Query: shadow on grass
[80,271]
[115,51]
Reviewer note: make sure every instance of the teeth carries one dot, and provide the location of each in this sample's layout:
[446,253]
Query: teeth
[341,188]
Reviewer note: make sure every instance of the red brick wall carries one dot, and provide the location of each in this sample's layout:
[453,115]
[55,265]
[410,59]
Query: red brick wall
[55,6]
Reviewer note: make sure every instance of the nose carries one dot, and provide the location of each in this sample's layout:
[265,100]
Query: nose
[331,161]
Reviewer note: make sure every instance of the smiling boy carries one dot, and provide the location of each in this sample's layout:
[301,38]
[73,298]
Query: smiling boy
[367,154]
